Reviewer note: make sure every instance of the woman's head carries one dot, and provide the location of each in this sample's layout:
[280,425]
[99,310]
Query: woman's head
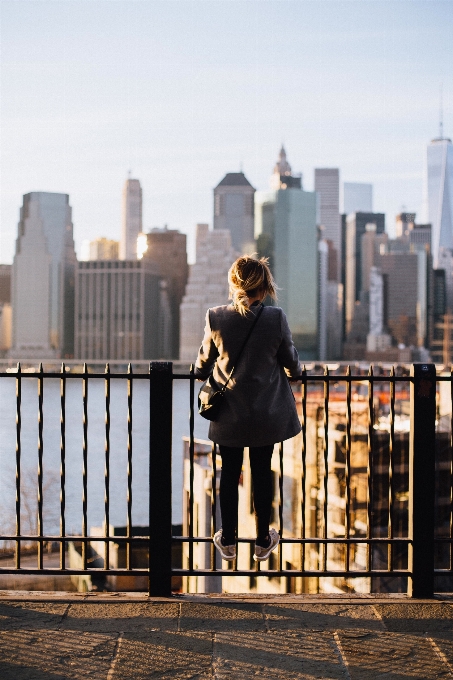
[250,278]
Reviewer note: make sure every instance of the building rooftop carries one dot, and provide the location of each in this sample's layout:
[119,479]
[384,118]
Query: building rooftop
[234,179]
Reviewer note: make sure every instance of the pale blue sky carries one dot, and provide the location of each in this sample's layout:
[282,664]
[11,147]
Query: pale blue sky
[183,91]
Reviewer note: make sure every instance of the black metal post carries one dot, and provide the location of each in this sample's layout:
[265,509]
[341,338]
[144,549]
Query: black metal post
[160,422]
[421,480]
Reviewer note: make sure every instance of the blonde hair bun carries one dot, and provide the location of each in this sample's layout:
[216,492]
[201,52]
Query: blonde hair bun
[247,278]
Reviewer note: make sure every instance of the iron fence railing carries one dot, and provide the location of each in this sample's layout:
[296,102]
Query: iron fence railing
[352,455]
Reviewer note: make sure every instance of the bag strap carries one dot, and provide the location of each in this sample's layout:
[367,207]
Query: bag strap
[243,347]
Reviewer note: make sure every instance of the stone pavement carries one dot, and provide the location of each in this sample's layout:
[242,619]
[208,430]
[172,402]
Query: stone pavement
[122,636]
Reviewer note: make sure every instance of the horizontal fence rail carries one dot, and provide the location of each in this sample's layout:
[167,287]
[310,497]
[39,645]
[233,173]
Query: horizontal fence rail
[359,494]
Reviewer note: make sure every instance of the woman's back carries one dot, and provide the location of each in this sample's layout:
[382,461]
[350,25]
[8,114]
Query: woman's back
[259,406]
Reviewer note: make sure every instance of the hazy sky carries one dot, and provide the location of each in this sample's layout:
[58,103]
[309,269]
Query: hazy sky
[183,91]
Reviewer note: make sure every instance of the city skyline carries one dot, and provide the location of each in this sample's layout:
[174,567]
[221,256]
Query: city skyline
[347,85]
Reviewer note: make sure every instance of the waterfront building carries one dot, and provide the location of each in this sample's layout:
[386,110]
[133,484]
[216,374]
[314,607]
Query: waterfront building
[357,197]
[356,225]
[207,286]
[327,186]
[166,249]
[285,226]
[122,311]
[43,279]
[233,210]
[131,224]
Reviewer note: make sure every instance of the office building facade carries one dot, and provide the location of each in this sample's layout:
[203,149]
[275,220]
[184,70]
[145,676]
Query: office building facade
[103,249]
[327,187]
[43,274]
[166,250]
[233,210]
[440,196]
[120,311]
[132,223]
[357,225]
[285,220]
[207,286]
[406,285]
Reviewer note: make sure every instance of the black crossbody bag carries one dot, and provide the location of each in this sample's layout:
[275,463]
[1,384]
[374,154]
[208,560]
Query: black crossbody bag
[211,394]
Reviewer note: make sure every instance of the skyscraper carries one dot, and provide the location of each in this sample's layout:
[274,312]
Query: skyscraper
[440,196]
[167,250]
[131,224]
[233,210]
[327,186]
[43,278]
[207,286]
[357,224]
[357,197]
[285,223]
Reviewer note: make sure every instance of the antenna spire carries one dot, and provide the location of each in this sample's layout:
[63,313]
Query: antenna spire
[441,114]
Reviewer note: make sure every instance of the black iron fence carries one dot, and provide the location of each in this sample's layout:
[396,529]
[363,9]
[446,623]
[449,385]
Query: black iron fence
[361,484]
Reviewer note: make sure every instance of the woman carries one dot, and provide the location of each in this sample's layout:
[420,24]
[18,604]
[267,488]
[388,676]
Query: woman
[258,409]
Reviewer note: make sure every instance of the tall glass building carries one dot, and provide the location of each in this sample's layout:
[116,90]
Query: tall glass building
[285,227]
[440,196]
[43,278]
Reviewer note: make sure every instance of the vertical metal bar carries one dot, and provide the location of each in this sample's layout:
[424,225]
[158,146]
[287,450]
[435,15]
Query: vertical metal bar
[369,472]
[63,465]
[107,469]
[40,463]
[304,465]
[347,475]
[391,529]
[160,426]
[84,463]
[422,462]
[214,503]
[18,460]
[191,461]
[129,468]
[280,506]
[450,545]
[326,464]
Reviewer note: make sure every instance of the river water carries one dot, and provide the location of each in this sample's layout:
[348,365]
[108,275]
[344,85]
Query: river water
[96,439]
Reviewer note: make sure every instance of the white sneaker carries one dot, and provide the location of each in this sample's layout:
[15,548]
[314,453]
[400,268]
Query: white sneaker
[262,554]
[228,552]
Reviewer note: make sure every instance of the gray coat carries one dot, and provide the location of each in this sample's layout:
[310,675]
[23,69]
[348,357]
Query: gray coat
[259,407]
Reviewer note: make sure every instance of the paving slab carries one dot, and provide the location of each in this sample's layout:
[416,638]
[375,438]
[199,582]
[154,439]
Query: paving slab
[321,616]
[163,655]
[390,656]
[55,655]
[276,656]
[31,614]
[224,616]
[119,616]
[416,617]
[442,643]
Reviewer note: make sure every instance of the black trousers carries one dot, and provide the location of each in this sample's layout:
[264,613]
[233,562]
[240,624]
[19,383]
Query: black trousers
[263,493]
